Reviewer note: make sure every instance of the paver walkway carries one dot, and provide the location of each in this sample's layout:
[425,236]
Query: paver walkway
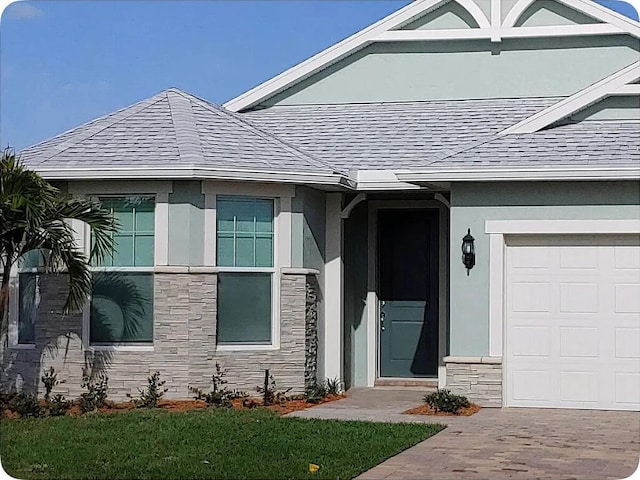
[498,443]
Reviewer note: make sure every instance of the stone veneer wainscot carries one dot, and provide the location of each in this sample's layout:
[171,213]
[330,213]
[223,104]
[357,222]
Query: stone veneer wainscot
[184,341]
[477,378]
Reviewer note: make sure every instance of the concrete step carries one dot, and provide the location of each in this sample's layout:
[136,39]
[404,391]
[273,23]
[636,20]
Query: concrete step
[407,382]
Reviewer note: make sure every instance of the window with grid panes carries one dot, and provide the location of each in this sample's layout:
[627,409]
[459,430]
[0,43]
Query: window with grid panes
[122,290]
[245,256]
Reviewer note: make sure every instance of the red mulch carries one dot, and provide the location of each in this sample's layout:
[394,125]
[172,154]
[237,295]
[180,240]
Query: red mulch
[185,405]
[427,410]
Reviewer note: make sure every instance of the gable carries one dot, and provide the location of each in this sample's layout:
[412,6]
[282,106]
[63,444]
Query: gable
[548,12]
[450,15]
[466,69]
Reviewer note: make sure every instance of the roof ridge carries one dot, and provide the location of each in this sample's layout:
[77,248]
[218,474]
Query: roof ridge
[301,154]
[118,117]
[185,126]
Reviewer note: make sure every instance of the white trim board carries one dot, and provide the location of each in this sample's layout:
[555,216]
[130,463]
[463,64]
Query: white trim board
[497,229]
[578,101]
[378,31]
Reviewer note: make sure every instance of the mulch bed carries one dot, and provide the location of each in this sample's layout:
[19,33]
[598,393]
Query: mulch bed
[427,410]
[185,405]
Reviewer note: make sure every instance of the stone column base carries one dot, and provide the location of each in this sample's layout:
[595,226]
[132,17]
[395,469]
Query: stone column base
[477,378]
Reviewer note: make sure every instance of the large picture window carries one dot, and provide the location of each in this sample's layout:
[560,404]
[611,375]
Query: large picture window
[245,255]
[122,292]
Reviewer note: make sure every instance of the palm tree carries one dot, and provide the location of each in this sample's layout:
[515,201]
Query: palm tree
[34,216]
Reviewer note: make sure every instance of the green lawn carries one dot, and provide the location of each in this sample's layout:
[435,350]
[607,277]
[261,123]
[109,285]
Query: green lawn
[198,444]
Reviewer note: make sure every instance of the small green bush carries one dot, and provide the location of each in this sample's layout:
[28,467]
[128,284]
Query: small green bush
[270,392]
[152,393]
[315,392]
[57,406]
[26,405]
[49,380]
[333,386]
[96,395]
[442,400]
[219,396]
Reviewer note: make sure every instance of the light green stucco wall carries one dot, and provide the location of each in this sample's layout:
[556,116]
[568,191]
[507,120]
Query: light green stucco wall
[547,12]
[465,69]
[308,228]
[612,108]
[451,15]
[186,224]
[474,203]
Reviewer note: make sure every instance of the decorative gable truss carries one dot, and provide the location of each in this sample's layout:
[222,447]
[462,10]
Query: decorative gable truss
[479,19]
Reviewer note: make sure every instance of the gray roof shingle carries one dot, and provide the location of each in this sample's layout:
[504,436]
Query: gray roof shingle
[588,143]
[393,135]
[170,129]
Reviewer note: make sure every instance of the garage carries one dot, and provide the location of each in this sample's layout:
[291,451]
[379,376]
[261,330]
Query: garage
[572,321]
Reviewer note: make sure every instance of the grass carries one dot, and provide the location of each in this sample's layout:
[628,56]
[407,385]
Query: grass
[213,443]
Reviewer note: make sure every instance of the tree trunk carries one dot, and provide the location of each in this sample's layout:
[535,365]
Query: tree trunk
[4,302]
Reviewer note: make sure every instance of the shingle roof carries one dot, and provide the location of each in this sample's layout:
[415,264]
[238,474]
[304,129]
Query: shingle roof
[588,143]
[393,135]
[172,128]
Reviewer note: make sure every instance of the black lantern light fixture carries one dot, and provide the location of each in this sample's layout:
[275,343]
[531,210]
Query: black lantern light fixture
[468,251]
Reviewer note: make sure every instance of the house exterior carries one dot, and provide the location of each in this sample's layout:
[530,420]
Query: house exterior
[313,225]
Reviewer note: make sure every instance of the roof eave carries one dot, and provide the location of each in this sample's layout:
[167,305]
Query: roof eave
[196,173]
[480,174]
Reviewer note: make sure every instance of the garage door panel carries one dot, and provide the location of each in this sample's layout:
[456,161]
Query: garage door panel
[531,341]
[627,343]
[579,297]
[627,388]
[573,327]
[579,387]
[627,298]
[579,342]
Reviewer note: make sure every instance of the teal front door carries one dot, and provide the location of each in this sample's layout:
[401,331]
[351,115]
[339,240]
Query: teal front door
[408,292]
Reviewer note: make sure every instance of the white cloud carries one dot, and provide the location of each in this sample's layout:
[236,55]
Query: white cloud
[22,11]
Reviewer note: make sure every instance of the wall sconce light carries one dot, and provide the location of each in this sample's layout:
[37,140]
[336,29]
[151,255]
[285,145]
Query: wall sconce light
[468,251]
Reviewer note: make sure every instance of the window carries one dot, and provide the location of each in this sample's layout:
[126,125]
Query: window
[245,240]
[28,303]
[121,310]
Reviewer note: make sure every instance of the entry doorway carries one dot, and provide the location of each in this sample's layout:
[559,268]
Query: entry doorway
[408,292]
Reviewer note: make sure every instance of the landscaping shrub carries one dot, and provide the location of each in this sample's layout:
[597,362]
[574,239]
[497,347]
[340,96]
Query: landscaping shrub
[96,395]
[26,405]
[219,396]
[6,398]
[152,393]
[442,400]
[49,380]
[270,392]
[333,386]
[315,393]
[57,406]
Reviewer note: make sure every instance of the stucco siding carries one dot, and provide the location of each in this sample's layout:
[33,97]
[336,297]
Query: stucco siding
[186,224]
[475,203]
[464,70]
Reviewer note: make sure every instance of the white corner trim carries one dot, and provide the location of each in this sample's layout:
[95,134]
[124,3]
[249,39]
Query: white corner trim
[631,89]
[441,198]
[344,48]
[576,102]
[210,225]
[497,229]
[559,227]
[496,293]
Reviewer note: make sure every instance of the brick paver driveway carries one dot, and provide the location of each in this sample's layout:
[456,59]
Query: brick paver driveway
[495,443]
[524,444]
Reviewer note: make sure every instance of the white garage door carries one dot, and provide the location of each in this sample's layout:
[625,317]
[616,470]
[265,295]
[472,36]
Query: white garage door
[573,322]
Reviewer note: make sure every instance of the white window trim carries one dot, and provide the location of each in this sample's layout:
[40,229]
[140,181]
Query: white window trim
[160,191]
[281,196]
[498,229]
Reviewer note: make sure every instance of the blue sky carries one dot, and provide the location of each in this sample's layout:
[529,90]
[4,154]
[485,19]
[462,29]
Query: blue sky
[63,63]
